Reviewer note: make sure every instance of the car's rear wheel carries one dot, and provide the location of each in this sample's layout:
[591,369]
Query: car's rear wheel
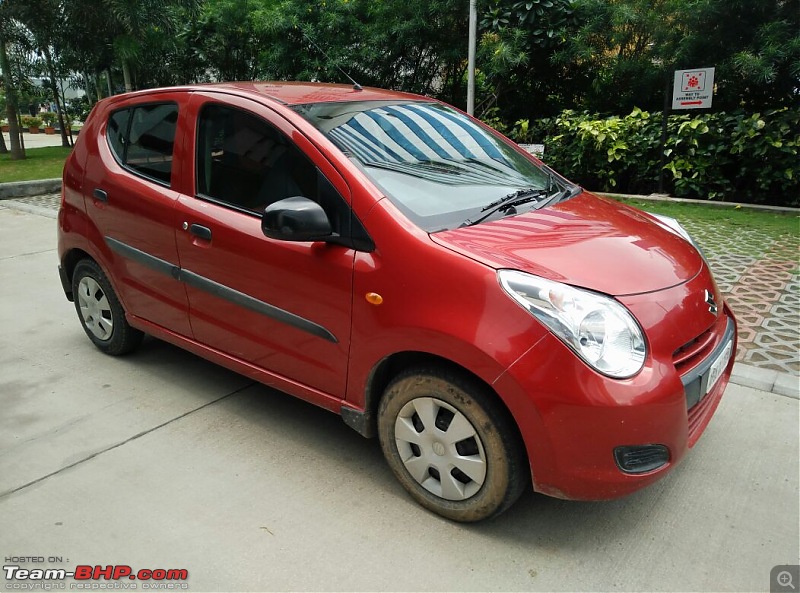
[100,312]
[451,444]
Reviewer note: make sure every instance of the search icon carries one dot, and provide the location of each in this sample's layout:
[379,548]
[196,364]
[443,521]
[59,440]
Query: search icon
[784,579]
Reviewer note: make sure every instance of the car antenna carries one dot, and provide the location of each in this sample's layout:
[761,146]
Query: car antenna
[356,86]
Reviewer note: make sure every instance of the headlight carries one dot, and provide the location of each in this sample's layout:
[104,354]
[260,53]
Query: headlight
[596,327]
[674,226]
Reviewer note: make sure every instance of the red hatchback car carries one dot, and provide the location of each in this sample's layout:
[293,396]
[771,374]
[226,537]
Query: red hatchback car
[389,258]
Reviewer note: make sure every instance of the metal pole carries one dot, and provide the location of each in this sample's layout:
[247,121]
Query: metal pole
[473,34]
[664,119]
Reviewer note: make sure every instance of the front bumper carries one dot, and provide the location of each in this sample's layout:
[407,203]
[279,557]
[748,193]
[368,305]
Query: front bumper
[580,417]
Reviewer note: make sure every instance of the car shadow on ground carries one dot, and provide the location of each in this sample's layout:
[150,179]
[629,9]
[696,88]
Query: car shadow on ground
[333,452]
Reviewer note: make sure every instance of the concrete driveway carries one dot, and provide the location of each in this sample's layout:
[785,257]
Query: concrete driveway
[162,460]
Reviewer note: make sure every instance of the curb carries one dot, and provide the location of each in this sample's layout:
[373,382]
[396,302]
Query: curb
[734,205]
[22,189]
[785,384]
[29,208]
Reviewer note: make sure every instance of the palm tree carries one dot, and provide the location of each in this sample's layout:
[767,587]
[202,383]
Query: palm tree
[131,19]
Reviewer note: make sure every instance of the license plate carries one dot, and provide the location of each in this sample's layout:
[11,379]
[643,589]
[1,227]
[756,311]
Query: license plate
[718,366]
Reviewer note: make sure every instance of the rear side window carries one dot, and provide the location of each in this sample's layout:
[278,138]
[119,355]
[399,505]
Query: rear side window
[116,133]
[142,139]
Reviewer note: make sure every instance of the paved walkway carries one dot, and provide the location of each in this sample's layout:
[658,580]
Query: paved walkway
[36,140]
[759,276]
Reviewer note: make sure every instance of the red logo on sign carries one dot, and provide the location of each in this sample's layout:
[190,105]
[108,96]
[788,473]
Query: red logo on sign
[694,81]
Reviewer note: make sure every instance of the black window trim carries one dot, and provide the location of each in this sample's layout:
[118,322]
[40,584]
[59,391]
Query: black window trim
[205,197]
[229,205]
[366,245]
[137,173]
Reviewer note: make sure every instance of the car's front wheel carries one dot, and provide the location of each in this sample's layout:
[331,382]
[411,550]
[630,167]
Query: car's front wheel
[451,444]
[100,312]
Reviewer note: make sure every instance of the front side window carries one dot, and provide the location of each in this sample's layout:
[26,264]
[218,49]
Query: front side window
[437,165]
[142,139]
[245,162]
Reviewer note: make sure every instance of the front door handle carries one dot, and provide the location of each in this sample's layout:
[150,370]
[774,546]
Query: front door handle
[100,195]
[203,232]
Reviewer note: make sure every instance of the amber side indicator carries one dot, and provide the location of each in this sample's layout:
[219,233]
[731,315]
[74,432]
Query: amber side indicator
[373,298]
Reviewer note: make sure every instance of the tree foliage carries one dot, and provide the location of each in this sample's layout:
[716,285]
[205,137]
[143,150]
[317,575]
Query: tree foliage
[536,58]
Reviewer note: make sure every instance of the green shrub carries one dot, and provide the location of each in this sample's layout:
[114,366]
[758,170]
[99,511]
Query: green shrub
[717,156]
[49,118]
[29,121]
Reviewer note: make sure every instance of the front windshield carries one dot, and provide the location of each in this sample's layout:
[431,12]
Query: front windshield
[433,162]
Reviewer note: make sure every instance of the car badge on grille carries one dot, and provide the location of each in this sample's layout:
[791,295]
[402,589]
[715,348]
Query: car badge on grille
[712,304]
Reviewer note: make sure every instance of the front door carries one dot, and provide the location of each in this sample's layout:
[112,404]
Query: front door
[282,306]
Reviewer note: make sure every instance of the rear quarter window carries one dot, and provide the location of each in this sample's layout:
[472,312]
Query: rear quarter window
[142,139]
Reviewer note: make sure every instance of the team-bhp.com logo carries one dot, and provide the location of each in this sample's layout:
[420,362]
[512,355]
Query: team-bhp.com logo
[152,578]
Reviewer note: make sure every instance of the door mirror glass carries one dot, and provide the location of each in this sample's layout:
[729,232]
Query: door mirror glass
[296,219]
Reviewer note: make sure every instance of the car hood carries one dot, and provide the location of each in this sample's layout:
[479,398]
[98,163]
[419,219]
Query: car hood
[586,241]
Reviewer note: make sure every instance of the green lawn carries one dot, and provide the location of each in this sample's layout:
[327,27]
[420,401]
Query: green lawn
[41,163]
[727,233]
[731,218]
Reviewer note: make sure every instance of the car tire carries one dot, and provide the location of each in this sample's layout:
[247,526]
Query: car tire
[100,312]
[451,444]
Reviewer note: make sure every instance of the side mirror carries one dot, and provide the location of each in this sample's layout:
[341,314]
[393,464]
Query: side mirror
[296,219]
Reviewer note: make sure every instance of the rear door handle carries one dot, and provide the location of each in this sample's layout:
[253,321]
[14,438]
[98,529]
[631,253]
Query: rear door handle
[100,195]
[200,231]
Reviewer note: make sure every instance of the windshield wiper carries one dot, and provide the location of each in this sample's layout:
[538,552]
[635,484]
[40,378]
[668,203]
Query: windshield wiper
[568,192]
[507,202]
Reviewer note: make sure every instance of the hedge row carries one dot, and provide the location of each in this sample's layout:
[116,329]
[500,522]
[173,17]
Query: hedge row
[734,157]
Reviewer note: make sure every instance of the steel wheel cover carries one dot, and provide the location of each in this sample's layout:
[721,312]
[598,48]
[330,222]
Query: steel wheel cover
[440,448]
[95,309]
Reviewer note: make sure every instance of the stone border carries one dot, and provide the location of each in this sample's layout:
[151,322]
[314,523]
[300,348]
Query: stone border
[29,208]
[668,198]
[776,382]
[21,189]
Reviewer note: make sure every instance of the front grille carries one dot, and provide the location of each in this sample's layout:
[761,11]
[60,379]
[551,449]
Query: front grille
[704,408]
[693,352]
[693,361]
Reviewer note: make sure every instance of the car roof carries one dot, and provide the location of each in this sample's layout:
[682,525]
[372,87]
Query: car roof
[292,93]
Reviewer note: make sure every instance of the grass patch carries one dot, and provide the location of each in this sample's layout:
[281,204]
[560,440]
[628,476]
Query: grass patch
[730,232]
[731,218]
[41,163]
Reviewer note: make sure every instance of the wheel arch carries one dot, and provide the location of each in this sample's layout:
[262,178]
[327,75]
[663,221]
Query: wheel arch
[71,259]
[365,421]
[67,268]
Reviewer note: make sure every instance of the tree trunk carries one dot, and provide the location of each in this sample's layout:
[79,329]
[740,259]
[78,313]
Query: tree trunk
[3,149]
[108,82]
[126,74]
[69,120]
[87,85]
[48,59]
[98,87]
[17,149]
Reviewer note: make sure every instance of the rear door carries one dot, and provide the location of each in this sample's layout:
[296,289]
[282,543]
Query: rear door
[129,197]
[281,306]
